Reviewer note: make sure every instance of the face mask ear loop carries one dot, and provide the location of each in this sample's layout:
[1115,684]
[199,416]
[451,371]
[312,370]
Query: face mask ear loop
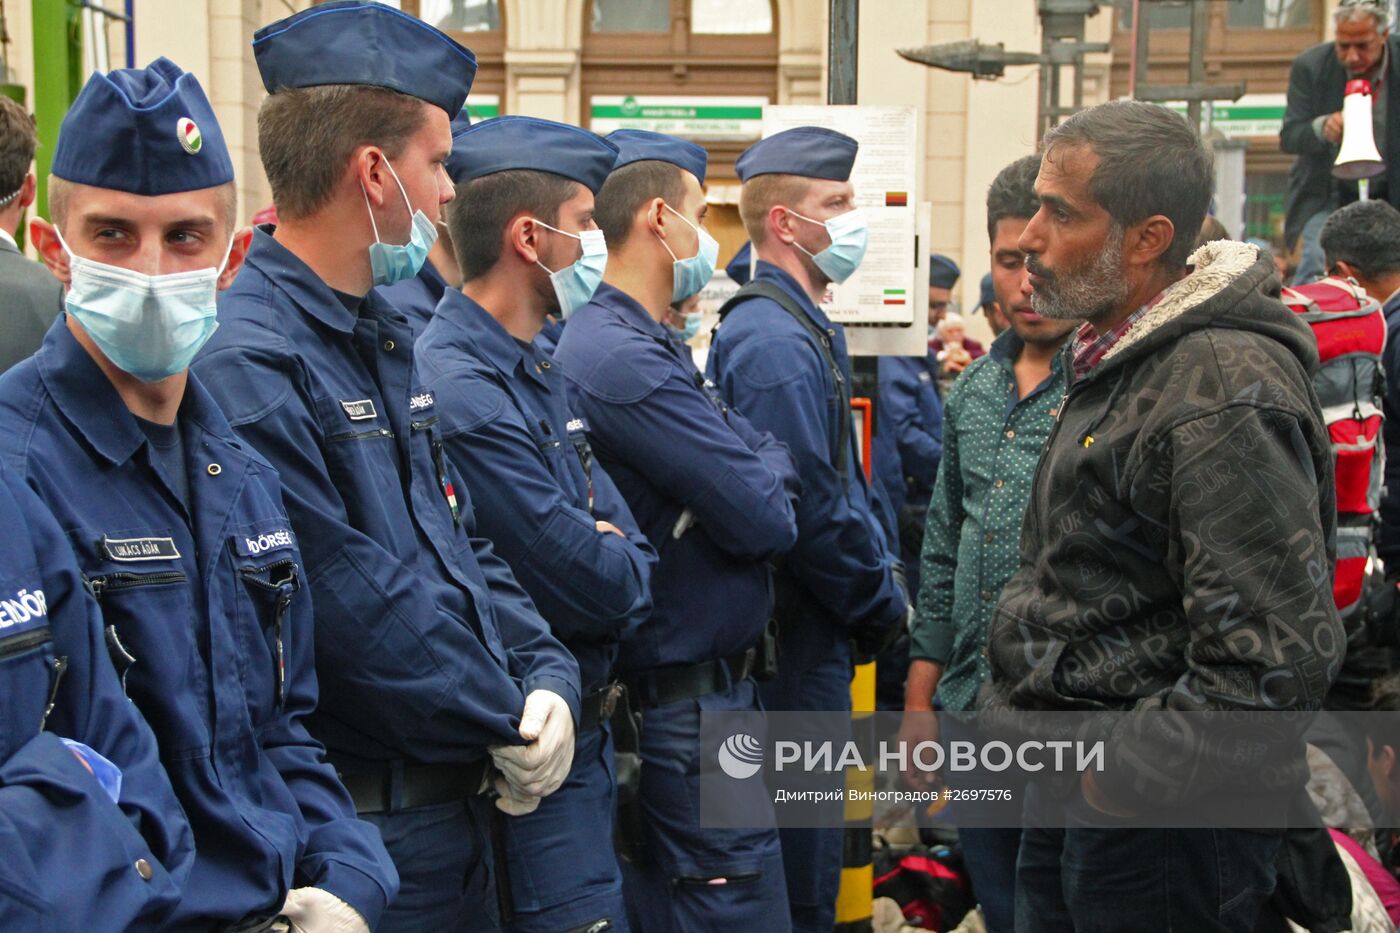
[406,202]
[692,226]
[374,226]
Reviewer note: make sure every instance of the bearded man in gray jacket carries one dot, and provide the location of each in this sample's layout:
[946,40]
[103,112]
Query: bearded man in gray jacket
[1177,548]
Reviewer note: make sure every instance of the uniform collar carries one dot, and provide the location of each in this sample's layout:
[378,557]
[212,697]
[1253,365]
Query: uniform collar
[493,343]
[298,281]
[88,400]
[7,242]
[769,272]
[631,312]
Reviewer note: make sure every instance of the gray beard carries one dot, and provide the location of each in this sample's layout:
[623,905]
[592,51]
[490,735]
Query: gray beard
[1087,293]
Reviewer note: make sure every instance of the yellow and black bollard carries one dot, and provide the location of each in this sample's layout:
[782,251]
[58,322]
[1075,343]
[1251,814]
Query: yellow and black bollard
[854,902]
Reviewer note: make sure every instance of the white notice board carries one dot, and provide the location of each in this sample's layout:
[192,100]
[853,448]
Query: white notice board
[885,289]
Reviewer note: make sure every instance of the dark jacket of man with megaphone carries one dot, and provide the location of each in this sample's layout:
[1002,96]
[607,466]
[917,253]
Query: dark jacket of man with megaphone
[1316,86]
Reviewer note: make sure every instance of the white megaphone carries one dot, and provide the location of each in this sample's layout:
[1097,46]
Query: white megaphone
[1359,157]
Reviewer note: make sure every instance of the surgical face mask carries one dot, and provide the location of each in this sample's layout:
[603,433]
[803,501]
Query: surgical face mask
[849,237]
[692,326]
[693,273]
[150,326]
[390,263]
[575,284]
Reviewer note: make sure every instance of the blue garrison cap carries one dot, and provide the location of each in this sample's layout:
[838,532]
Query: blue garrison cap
[811,151]
[359,42]
[738,268]
[643,146]
[989,294]
[942,271]
[514,143]
[457,160]
[146,131]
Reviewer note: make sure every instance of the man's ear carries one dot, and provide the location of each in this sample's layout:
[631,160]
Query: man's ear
[1344,269]
[780,224]
[27,191]
[44,236]
[369,170]
[1148,239]
[523,235]
[237,252]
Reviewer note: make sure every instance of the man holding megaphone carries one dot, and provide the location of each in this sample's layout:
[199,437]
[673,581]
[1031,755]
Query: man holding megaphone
[1334,154]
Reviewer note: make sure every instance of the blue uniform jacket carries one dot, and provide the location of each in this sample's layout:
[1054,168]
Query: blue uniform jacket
[548,337]
[215,628]
[913,416]
[72,858]
[537,491]
[769,367]
[426,645]
[713,495]
[418,297]
[1388,543]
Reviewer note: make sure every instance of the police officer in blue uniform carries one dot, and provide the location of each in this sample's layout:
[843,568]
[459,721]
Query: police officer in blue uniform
[524,204]
[438,677]
[178,526]
[714,496]
[418,297]
[779,359]
[93,836]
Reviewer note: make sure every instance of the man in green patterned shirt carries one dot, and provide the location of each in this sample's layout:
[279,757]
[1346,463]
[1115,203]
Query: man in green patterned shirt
[996,420]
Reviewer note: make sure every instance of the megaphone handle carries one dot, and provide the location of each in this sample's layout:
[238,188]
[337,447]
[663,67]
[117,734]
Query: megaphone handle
[1363,188]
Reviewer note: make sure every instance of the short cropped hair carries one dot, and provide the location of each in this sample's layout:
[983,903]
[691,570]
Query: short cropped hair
[18,140]
[758,196]
[1151,161]
[477,217]
[1349,10]
[628,188]
[307,135]
[1365,235]
[1012,193]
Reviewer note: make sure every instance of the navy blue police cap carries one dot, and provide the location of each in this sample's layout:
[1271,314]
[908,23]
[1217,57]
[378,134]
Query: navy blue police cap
[457,160]
[360,42]
[738,268]
[811,151]
[515,143]
[989,294]
[146,131]
[942,271]
[646,146]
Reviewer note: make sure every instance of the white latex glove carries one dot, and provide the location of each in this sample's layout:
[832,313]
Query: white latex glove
[537,769]
[509,803]
[312,910]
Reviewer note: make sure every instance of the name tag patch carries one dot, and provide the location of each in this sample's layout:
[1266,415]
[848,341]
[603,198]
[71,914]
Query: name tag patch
[249,545]
[138,549]
[361,410]
[421,401]
[575,425]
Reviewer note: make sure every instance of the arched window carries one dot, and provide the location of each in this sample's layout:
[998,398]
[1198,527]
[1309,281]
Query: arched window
[480,26]
[701,69]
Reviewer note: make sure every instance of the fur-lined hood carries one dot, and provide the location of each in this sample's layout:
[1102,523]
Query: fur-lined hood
[1230,285]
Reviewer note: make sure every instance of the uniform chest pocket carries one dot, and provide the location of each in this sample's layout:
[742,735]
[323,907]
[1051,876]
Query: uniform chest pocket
[271,587]
[427,438]
[31,675]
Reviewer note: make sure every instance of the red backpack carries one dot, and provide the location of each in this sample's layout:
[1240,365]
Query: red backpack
[1350,384]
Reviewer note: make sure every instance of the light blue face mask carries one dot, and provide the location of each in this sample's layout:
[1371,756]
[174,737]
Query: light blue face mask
[575,284]
[390,263]
[150,326]
[693,273]
[692,326]
[849,237]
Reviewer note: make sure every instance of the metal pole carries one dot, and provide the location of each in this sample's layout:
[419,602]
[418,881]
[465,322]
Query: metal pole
[841,52]
[130,33]
[1200,24]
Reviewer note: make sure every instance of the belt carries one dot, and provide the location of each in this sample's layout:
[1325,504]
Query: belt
[597,708]
[671,685]
[420,785]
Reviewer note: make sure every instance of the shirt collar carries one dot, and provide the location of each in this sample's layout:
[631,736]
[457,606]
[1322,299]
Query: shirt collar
[7,240]
[492,342]
[631,311]
[294,277]
[1090,347]
[766,270]
[87,399]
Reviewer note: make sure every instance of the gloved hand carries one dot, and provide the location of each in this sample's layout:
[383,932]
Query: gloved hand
[108,775]
[537,769]
[312,910]
[509,802]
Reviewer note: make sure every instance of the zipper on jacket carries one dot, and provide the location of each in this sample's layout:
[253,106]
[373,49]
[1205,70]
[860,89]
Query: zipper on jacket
[57,668]
[21,642]
[286,588]
[125,581]
[360,435]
